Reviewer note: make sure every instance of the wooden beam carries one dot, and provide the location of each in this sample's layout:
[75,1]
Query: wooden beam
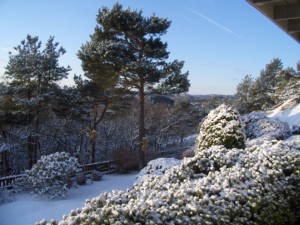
[298,37]
[263,2]
[293,26]
[285,12]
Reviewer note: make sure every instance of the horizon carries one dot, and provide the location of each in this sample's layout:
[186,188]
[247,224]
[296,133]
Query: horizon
[219,41]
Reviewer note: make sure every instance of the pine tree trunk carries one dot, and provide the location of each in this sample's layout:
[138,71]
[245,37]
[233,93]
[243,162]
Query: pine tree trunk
[141,154]
[30,151]
[6,168]
[93,139]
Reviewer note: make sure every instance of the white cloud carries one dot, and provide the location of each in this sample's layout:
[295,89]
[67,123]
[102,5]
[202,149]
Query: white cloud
[212,21]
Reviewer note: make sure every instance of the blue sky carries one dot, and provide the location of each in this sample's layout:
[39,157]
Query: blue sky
[220,40]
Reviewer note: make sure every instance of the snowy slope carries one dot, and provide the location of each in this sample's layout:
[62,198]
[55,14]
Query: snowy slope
[288,112]
[27,209]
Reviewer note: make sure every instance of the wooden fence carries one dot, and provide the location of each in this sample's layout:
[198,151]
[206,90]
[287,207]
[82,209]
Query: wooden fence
[6,182]
[105,167]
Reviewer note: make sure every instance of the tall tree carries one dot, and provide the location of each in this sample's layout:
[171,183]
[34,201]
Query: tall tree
[32,72]
[126,48]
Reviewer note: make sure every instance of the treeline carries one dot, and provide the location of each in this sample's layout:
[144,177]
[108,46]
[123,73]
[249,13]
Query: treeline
[274,85]
[108,109]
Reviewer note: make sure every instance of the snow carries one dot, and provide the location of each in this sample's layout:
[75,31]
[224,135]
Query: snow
[294,140]
[156,167]
[217,186]
[190,140]
[291,115]
[28,209]
[281,107]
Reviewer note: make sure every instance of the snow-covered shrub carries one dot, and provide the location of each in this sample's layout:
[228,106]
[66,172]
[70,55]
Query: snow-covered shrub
[222,126]
[254,186]
[50,175]
[156,167]
[257,125]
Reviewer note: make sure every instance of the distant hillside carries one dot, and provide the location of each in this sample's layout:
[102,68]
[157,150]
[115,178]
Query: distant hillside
[203,97]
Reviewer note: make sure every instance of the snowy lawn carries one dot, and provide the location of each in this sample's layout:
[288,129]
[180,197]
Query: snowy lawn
[27,209]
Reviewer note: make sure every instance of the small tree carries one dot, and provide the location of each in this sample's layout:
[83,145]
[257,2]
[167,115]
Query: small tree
[126,48]
[222,126]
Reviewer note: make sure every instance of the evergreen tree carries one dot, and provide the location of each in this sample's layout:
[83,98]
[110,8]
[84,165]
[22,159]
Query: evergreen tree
[126,49]
[268,75]
[32,73]
[288,85]
[265,85]
[258,94]
[243,94]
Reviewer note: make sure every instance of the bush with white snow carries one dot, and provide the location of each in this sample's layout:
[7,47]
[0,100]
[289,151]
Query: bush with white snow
[258,125]
[222,126]
[50,176]
[254,186]
[157,167]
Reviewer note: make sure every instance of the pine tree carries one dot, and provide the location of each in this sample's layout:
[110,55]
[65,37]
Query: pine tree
[32,73]
[288,85]
[243,94]
[258,94]
[265,85]
[268,75]
[126,48]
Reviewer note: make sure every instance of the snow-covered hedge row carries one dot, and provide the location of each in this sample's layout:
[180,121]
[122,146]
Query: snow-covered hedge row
[222,126]
[255,186]
[50,175]
[257,125]
[157,167]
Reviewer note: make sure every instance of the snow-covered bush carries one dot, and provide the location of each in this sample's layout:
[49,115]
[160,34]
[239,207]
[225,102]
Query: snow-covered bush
[257,125]
[50,175]
[222,126]
[156,167]
[254,186]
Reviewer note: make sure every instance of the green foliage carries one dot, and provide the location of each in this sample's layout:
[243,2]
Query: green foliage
[32,73]
[126,49]
[33,68]
[222,126]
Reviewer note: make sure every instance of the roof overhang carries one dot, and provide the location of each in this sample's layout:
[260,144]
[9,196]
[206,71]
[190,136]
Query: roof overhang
[284,13]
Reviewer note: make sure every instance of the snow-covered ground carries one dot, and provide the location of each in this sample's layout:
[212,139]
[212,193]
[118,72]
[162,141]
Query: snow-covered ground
[27,209]
[287,112]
